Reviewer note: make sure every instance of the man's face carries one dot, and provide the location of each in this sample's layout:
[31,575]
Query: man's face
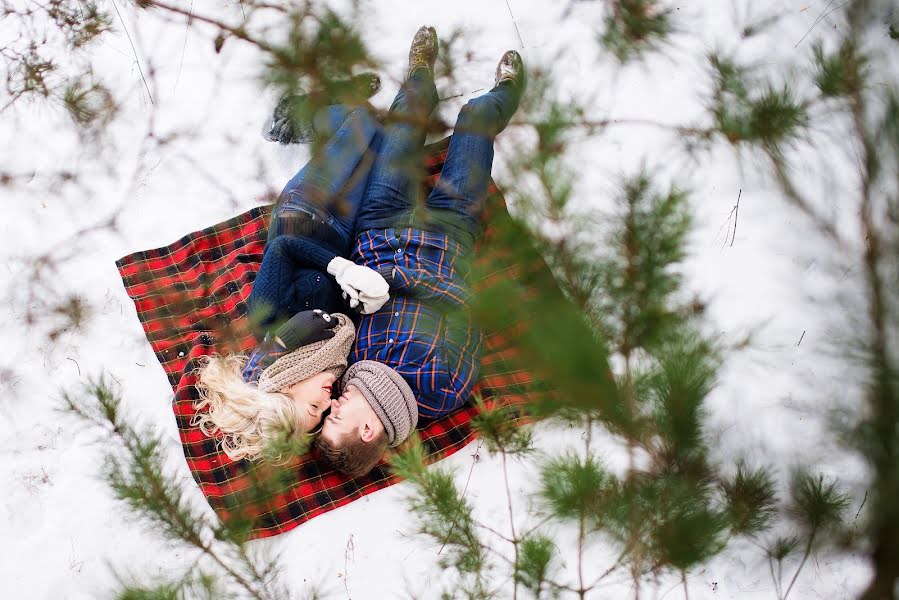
[351,414]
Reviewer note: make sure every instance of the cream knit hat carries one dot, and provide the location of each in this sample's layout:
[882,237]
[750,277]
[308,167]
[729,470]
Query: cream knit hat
[311,359]
[389,396]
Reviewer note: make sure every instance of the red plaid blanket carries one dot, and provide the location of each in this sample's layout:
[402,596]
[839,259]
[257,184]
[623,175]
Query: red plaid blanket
[191,299]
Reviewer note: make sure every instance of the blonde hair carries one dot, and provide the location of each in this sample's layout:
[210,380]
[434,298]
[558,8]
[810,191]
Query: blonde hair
[247,419]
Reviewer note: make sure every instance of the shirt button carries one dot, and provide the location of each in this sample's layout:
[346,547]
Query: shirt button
[390,341]
[396,314]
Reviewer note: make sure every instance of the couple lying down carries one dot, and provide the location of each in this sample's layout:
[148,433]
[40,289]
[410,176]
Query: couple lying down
[413,351]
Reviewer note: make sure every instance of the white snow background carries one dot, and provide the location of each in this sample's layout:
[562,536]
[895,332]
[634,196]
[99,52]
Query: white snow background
[61,531]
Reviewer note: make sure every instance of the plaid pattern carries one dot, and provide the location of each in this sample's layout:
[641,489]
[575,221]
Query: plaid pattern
[190,297]
[436,351]
[261,358]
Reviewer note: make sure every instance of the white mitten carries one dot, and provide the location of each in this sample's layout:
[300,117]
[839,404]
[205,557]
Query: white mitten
[371,304]
[360,284]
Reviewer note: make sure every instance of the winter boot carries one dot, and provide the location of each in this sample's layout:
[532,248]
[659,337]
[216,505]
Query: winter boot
[292,118]
[511,69]
[423,52]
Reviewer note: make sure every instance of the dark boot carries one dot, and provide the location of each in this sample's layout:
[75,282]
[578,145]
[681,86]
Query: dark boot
[292,118]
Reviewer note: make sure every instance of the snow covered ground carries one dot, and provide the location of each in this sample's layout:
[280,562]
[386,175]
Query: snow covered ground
[61,532]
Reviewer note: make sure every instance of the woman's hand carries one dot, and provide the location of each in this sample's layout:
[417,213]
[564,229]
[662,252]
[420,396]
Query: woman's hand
[361,285]
[305,328]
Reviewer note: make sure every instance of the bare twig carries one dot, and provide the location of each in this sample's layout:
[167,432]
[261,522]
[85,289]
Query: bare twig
[800,201]
[511,524]
[235,31]
[498,534]
[190,20]
[865,499]
[520,41]
[76,364]
[536,526]
[608,571]
[800,337]
[133,49]
[348,555]
[736,217]
[808,551]
[459,95]
[774,576]
[474,459]
[820,18]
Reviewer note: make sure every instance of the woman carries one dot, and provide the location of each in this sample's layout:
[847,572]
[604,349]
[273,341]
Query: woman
[281,391]
[285,385]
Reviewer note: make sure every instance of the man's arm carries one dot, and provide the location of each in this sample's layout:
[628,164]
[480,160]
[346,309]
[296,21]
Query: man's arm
[424,285]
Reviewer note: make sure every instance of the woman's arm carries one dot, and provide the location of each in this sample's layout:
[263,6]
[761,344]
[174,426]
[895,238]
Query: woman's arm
[290,251]
[274,287]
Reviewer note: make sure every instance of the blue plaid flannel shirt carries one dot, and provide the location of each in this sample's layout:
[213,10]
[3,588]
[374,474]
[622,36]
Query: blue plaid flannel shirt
[261,358]
[425,331]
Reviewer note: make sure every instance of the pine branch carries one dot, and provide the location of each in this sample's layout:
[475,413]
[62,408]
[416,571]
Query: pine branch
[581,518]
[147,489]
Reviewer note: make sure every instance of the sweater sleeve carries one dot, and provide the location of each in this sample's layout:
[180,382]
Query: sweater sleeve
[300,252]
[274,281]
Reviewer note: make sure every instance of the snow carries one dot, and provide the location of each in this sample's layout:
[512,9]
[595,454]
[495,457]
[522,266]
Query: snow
[63,533]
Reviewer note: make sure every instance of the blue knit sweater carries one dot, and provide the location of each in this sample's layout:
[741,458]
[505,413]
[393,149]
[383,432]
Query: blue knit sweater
[293,275]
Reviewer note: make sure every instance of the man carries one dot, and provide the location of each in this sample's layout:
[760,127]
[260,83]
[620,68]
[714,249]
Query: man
[419,354]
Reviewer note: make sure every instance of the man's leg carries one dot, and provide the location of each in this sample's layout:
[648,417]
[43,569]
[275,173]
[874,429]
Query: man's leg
[397,171]
[457,200]
[331,184]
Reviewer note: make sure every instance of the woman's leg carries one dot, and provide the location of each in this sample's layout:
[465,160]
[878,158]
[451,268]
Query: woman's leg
[327,121]
[397,169]
[328,186]
[457,200]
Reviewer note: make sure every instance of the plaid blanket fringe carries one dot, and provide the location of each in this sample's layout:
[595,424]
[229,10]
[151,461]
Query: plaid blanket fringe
[190,298]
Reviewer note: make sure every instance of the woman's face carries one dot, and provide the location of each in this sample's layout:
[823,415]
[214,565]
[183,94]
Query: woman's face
[313,397]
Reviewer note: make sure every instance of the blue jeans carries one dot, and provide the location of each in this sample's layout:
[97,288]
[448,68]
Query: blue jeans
[454,206]
[331,185]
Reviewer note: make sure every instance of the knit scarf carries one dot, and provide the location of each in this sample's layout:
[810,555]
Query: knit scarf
[311,359]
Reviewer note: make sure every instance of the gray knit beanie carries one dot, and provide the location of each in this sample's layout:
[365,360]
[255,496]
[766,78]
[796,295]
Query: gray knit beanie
[311,359]
[389,396]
